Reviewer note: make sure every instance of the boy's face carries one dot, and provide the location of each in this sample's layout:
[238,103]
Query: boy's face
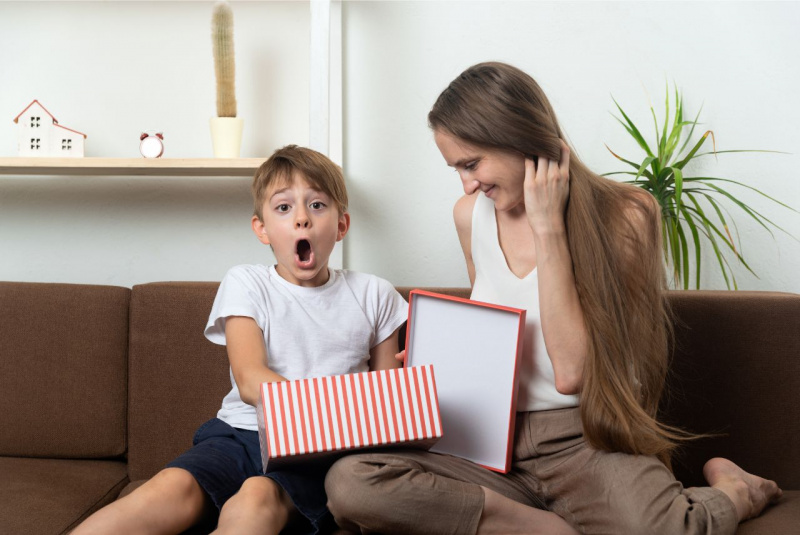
[302,225]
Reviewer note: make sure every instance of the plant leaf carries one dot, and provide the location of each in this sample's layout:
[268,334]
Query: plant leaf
[691,131]
[704,178]
[662,144]
[678,178]
[713,228]
[750,211]
[696,240]
[647,161]
[684,254]
[633,131]
[740,150]
[724,223]
[674,241]
[618,157]
[720,258]
[692,152]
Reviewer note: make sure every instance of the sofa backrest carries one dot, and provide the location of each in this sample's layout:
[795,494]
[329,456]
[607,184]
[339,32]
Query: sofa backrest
[177,377]
[736,372]
[63,370]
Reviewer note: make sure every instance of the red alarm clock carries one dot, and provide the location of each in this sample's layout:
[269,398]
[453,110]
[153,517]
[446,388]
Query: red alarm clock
[152,145]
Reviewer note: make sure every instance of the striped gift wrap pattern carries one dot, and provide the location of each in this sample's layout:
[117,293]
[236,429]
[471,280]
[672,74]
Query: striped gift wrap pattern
[350,411]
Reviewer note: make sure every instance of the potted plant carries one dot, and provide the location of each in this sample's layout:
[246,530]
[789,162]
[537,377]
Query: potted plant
[226,128]
[691,206]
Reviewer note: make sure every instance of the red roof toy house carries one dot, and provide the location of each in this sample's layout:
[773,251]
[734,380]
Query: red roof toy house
[40,134]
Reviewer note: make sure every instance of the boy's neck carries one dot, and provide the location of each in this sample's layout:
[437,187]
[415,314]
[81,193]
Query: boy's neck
[320,279]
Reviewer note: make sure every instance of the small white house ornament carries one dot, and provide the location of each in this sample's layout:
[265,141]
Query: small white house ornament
[151,145]
[39,134]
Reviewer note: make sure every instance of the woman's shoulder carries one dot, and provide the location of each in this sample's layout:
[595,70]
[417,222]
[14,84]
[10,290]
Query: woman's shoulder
[462,211]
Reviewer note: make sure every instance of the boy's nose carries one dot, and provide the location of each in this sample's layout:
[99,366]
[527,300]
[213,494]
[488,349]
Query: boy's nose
[302,221]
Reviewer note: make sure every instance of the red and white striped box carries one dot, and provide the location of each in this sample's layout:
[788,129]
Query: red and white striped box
[345,412]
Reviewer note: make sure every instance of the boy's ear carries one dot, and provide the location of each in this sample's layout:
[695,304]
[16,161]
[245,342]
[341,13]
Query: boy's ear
[260,230]
[344,225]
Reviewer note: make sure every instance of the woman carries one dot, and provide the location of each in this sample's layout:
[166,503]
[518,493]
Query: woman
[582,254]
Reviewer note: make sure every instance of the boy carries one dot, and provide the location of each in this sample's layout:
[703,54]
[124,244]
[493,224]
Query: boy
[293,320]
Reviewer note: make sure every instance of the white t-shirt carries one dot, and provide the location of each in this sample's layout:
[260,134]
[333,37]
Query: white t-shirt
[308,332]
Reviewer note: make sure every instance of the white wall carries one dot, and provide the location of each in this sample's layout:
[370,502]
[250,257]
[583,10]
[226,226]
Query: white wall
[113,69]
[738,58]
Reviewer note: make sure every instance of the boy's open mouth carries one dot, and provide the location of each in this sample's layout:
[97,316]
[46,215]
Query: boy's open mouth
[303,249]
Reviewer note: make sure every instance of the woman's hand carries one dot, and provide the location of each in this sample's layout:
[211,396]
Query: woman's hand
[401,357]
[546,189]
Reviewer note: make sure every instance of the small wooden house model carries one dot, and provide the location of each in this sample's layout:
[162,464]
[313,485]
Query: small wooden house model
[40,134]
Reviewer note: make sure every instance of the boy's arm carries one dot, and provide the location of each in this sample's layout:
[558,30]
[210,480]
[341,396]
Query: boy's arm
[248,357]
[382,356]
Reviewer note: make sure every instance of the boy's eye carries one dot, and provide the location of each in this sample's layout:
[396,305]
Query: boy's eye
[282,208]
[317,205]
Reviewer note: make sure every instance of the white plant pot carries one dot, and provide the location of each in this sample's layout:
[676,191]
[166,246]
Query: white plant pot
[226,136]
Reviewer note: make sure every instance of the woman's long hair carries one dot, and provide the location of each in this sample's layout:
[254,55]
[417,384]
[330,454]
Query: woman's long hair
[614,239]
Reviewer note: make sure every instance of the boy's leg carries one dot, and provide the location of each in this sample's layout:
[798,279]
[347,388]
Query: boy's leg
[170,502]
[260,507]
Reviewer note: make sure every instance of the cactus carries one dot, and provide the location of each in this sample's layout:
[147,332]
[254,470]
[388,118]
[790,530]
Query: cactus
[222,41]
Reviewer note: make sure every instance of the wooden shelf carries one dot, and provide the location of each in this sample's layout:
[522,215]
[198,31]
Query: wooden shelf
[219,167]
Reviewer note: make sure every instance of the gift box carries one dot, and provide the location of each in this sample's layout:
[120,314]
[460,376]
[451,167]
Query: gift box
[346,412]
[476,348]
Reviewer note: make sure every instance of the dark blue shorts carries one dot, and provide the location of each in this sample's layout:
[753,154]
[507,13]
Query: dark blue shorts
[223,457]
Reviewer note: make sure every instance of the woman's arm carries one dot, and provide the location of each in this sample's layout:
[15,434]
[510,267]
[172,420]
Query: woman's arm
[564,331]
[563,327]
[546,190]
[248,357]
[462,215]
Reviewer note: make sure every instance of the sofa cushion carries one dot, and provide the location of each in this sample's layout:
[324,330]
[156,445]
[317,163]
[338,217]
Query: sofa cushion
[63,370]
[784,517]
[177,377]
[54,495]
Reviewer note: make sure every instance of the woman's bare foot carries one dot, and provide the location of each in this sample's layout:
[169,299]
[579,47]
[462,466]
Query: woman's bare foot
[749,493]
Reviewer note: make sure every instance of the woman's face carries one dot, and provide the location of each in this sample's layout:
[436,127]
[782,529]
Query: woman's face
[498,173]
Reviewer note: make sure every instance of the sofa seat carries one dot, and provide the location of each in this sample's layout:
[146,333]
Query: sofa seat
[781,518]
[54,495]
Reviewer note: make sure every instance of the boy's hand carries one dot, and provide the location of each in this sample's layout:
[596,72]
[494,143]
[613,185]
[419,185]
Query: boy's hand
[401,357]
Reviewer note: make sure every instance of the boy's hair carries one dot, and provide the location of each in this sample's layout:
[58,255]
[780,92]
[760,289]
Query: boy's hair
[315,167]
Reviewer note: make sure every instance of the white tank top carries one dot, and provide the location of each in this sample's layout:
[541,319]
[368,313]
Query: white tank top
[496,283]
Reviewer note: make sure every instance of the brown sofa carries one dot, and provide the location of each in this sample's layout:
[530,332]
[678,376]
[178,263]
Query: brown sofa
[100,386]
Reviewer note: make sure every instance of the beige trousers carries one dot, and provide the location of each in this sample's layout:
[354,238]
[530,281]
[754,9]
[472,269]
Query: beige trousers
[405,491]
